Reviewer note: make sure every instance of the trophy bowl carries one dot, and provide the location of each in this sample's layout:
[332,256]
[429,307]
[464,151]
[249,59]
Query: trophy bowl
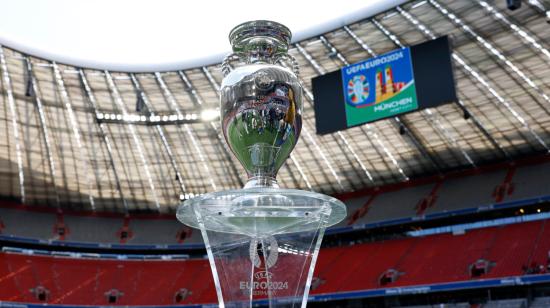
[261,102]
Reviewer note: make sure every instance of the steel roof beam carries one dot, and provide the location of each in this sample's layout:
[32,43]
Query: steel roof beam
[320,71]
[76,131]
[137,142]
[103,132]
[539,7]
[470,71]
[188,129]
[44,130]
[14,122]
[496,53]
[397,121]
[160,132]
[517,30]
[198,101]
[480,80]
[422,28]
[431,115]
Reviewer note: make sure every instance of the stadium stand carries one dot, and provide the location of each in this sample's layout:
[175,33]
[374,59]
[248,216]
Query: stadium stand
[541,302]
[392,205]
[95,228]
[417,262]
[530,181]
[424,199]
[434,259]
[37,225]
[80,227]
[460,305]
[169,228]
[86,282]
[408,263]
[508,303]
[456,193]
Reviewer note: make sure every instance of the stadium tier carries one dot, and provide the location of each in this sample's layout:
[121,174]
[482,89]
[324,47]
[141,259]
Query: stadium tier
[402,266]
[484,190]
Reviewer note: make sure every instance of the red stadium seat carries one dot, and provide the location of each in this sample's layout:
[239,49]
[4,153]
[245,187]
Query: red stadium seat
[413,261]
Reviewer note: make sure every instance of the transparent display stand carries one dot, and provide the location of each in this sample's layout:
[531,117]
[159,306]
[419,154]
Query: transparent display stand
[262,243]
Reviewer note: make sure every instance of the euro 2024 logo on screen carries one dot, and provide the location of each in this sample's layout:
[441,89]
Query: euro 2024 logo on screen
[358,90]
[376,80]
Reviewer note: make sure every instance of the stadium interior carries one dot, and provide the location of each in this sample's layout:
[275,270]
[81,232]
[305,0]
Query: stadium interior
[446,206]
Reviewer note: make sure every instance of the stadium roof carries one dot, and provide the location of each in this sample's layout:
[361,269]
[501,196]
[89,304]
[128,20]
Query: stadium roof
[74,137]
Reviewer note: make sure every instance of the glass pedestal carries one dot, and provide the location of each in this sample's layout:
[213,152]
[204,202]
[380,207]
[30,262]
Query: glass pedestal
[262,243]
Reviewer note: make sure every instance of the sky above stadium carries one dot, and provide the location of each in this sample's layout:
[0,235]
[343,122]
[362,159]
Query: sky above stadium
[161,35]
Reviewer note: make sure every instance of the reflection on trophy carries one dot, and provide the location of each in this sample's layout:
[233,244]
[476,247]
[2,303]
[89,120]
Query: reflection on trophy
[261,102]
[262,240]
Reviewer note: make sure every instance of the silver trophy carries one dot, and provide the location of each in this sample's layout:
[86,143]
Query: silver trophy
[262,241]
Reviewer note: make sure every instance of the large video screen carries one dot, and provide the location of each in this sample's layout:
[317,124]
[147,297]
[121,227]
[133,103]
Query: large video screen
[379,88]
[400,81]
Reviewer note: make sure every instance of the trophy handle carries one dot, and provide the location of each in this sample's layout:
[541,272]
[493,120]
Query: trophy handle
[226,63]
[295,66]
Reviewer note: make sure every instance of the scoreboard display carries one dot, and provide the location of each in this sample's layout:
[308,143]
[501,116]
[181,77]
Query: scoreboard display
[400,81]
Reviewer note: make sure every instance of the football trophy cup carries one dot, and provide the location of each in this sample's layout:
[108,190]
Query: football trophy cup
[262,241]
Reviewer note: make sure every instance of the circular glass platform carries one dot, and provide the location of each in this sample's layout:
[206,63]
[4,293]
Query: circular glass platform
[261,211]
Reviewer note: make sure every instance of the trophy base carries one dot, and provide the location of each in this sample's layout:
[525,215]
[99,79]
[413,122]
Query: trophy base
[262,242]
[260,212]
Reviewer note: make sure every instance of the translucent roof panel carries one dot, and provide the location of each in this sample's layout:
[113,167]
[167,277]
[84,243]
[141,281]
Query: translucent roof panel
[55,151]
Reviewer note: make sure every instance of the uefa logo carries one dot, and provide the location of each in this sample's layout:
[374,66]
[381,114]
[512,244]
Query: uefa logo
[358,90]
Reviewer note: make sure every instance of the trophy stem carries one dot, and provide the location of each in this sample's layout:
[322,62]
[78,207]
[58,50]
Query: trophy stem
[261,182]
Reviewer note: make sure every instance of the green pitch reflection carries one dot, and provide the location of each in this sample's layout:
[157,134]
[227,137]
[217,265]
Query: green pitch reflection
[261,143]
